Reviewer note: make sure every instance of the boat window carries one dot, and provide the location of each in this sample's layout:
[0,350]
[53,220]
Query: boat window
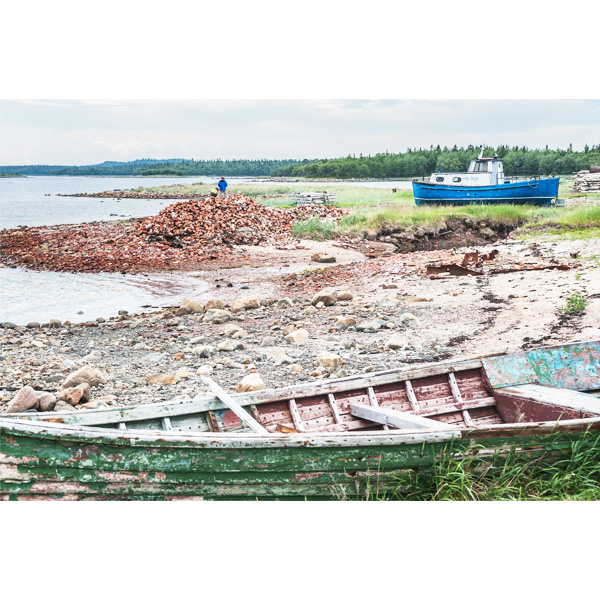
[456,179]
[439,179]
[481,166]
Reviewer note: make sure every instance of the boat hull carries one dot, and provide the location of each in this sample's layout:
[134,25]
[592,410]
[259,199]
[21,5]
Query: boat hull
[51,461]
[539,192]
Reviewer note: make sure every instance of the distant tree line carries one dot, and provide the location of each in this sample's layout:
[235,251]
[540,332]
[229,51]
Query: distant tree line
[418,163]
[170,167]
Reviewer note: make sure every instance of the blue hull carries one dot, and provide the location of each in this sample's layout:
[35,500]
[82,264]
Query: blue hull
[539,192]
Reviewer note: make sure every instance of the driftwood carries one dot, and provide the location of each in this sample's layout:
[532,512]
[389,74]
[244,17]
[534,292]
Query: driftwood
[587,181]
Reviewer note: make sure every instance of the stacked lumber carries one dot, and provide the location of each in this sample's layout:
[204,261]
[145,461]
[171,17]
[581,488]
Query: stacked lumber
[327,213]
[235,220]
[587,182]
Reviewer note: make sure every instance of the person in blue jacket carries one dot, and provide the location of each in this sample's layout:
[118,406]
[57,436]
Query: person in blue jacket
[222,185]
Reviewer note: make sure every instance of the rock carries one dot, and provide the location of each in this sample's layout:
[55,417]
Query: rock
[47,401]
[296,368]
[268,341]
[251,383]
[75,395]
[154,357]
[409,319]
[193,305]
[339,374]
[179,356]
[182,311]
[297,337]
[204,370]
[108,399]
[33,325]
[327,296]
[329,360]
[288,329]
[387,302]
[214,303]
[203,351]
[230,346]
[321,257]
[344,322]
[61,406]
[216,315]
[245,303]
[240,334]
[182,374]
[161,380]
[396,343]
[25,399]
[95,405]
[283,302]
[89,375]
[309,310]
[54,324]
[369,326]
[282,359]
[345,295]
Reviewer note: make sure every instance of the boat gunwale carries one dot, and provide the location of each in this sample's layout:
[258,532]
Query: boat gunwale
[163,439]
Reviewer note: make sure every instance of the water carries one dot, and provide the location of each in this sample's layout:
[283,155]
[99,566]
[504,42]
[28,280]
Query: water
[27,296]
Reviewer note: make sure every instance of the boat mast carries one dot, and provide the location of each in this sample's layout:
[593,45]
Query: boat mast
[481,152]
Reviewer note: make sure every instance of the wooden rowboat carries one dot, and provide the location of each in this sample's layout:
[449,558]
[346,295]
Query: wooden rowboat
[336,439]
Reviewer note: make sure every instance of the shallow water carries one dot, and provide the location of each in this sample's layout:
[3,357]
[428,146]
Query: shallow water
[27,296]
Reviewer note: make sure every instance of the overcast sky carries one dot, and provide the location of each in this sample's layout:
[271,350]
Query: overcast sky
[88,132]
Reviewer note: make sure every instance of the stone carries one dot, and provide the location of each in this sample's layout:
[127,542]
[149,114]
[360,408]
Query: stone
[288,329]
[409,319]
[268,341]
[327,296]
[283,302]
[344,322]
[193,305]
[230,346]
[214,303]
[245,303]
[74,395]
[203,351]
[154,357]
[251,383]
[309,310]
[182,311]
[161,380]
[61,406]
[329,360]
[282,359]
[396,343]
[369,326]
[33,325]
[25,399]
[322,257]
[95,405]
[387,302]
[217,316]
[204,370]
[345,295]
[179,356]
[182,374]
[108,399]
[89,375]
[297,337]
[54,324]
[47,401]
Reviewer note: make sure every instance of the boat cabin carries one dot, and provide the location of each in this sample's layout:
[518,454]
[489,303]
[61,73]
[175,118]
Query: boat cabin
[482,171]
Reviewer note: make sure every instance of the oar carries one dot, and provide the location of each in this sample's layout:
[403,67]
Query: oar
[226,399]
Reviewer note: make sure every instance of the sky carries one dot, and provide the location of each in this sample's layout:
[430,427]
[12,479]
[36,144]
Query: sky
[77,132]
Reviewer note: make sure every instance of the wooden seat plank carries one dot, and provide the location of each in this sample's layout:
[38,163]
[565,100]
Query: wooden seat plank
[394,418]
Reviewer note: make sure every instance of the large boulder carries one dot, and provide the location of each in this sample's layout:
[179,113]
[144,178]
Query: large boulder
[251,383]
[214,303]
[327,296]
[25,399]
[192,305]
[90,375]
[297,337]
[217,315]
[329,360]
[245,303]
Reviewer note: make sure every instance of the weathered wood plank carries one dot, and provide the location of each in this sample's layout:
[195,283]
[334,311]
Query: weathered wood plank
[298,424]
[373,401]
[458,399]
[334,408]
[166,424]
[394,418]
[233,405]
[411,396]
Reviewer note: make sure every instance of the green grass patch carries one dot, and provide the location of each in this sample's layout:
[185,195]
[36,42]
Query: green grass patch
[572,473]
[314,229]
[576,304]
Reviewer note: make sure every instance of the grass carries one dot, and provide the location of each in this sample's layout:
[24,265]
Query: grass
[576,304]
[373,208]
[571,474]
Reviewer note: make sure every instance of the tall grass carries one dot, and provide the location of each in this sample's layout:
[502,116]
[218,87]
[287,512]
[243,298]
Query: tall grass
[571,473]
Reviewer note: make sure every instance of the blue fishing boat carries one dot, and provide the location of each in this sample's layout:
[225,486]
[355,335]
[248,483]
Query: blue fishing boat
[484,183]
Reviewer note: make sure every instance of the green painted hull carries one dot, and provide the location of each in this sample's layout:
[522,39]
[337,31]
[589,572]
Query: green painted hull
[52,461]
